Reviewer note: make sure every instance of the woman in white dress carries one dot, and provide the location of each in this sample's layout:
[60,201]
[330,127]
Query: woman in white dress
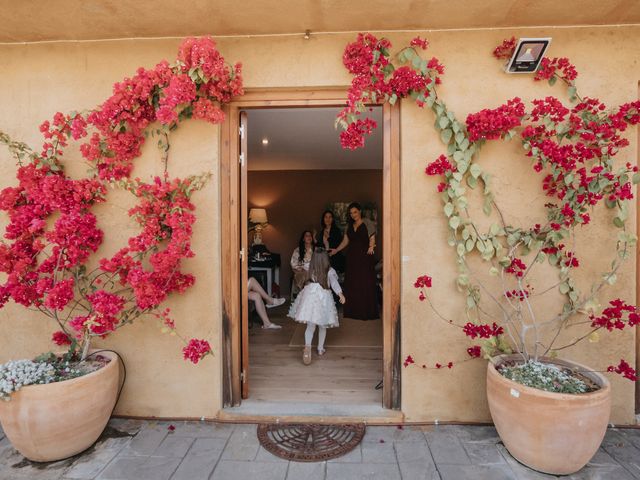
[301,258]
[314,305]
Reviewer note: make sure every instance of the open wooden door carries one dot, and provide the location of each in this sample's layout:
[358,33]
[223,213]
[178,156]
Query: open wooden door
[234,237]
[244,253]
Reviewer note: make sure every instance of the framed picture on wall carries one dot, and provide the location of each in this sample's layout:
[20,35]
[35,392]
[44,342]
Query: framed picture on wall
[341,212]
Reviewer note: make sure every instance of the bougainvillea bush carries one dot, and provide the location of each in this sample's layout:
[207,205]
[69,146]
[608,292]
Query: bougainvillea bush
[53,237]
[572,145]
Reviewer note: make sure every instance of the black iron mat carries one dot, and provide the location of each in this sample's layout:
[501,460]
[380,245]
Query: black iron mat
[309,442]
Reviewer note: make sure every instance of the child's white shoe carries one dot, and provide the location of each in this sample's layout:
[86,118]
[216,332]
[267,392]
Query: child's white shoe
[321,351]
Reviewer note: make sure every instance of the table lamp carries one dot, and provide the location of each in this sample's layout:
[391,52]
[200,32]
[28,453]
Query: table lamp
[258,216]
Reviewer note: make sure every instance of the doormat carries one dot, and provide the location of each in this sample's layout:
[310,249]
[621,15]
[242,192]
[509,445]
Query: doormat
[309,442]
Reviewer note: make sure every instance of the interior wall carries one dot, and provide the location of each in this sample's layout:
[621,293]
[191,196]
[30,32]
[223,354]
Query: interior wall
[295,200]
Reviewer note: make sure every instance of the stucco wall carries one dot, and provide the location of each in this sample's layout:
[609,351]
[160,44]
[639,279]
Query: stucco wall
[39,79]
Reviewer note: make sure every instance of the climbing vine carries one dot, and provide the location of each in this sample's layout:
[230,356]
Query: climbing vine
[52,231]
[572,146]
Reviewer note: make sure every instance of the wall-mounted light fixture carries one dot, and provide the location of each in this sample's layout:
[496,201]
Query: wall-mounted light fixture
[527,55]
[265,141]
[307,34]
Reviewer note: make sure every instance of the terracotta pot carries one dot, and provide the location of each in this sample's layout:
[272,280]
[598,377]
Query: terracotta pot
[553,433]
[55,421]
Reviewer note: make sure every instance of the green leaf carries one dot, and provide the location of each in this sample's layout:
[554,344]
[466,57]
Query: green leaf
[572,91]
[636,178]
[472,182]
[494,271]
[464,144]
[611,279]
[564,288]
[454,222]
[416,61]
[446,135]
[393,99]
[443,121]
[409,53]
[494,229]
[618,222]
[475,170]
[448,209]
[470,244]
[487,207]
[460,249]
[458,156]
[552,81]
[471,303]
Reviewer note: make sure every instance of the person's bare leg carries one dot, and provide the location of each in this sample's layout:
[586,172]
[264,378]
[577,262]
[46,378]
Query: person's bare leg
[262,311]
[254,286]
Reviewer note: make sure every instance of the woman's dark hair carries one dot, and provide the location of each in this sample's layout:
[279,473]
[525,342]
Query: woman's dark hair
[301,249]
[353,205]
[333,220]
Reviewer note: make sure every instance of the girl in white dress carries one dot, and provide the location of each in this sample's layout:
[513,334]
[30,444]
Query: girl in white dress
[314,305]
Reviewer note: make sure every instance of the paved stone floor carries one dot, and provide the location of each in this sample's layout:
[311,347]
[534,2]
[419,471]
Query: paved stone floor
[136,450]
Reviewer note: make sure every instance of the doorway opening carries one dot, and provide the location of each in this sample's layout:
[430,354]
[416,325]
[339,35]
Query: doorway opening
[291,169]
[296,171]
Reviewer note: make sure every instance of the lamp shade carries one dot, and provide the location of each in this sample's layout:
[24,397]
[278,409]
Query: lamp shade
[258,215]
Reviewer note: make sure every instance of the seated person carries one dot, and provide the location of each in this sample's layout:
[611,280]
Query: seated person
[256,293]
[300,260]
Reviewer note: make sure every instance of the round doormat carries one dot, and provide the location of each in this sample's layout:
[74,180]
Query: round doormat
[309,442]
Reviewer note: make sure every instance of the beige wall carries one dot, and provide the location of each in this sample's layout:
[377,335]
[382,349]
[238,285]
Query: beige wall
[295,199]
[40,79]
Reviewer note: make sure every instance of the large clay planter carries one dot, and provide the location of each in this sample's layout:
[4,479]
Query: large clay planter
[550,432]
[58,420]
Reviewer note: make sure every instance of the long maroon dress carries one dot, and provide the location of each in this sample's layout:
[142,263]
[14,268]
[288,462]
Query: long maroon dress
[360,277]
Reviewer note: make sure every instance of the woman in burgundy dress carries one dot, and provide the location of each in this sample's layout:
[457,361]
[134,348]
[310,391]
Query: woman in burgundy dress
[360,276]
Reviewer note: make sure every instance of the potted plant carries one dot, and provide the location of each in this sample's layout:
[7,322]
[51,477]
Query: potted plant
[58,404]
[550,413]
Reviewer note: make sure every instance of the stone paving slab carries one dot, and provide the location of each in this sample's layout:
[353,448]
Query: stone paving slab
[139,450]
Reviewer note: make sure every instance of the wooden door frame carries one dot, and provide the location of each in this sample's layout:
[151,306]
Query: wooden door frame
[231,227]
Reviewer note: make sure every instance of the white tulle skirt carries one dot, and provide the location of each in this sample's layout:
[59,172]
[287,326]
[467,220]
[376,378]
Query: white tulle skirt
[314,304]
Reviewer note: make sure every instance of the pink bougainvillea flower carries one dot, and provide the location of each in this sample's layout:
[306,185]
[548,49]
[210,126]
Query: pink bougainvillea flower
[423,281]
[475,351]
[506,49]
[419,42]
[625,370]
[60,338]
[196,350]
